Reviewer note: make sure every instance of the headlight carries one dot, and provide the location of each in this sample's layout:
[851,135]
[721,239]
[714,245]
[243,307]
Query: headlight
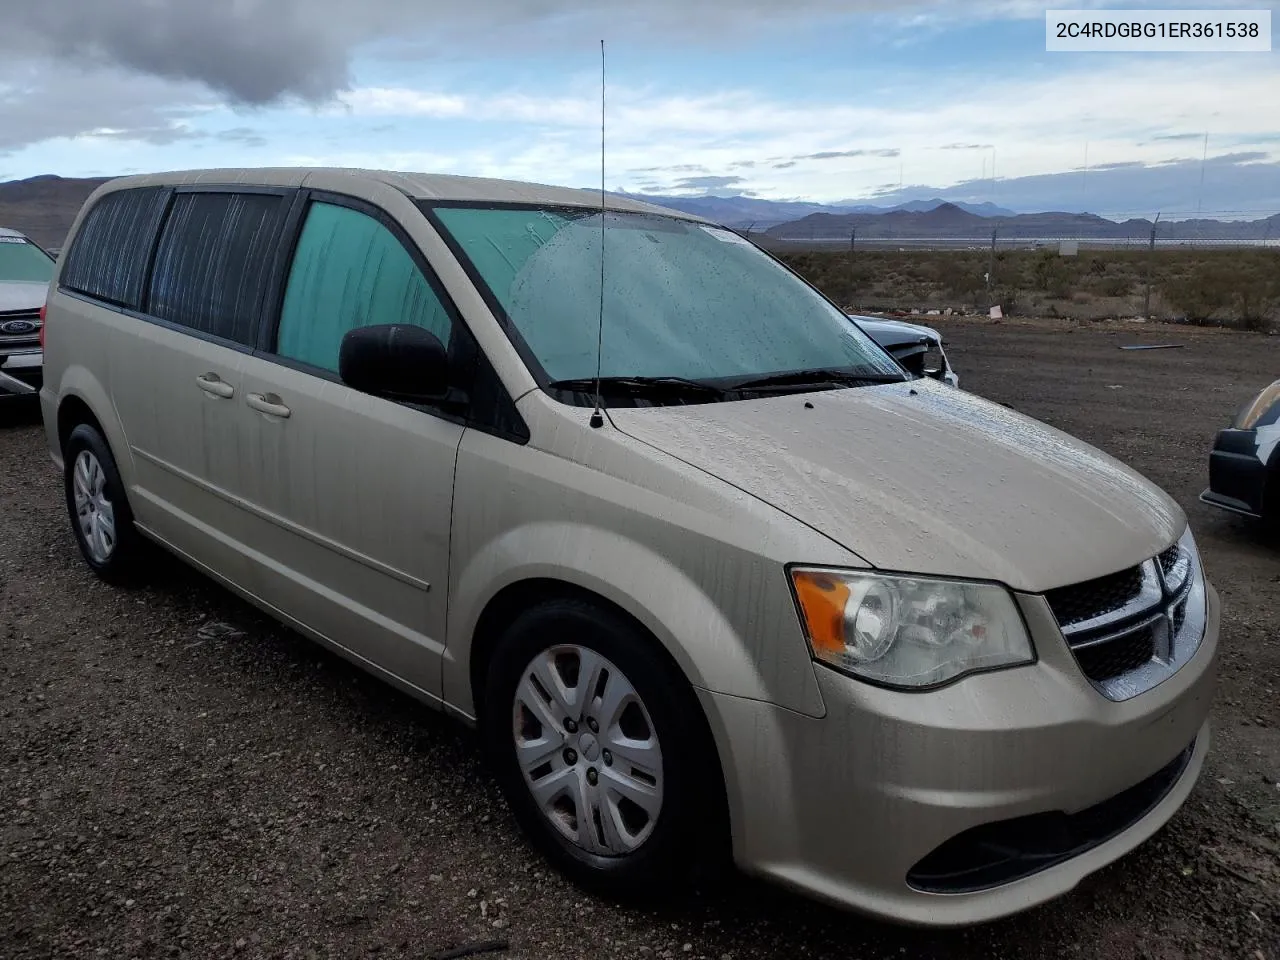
[906,631]
[1177,562]
[1249,416]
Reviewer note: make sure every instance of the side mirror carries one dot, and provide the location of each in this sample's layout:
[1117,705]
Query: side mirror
[395,360]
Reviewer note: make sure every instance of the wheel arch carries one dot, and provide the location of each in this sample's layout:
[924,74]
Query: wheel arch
[73,411]
[82,398]
[670,602]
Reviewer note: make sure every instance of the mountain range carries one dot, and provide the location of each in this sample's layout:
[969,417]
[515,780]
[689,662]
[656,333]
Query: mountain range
[44,208]
[744,212]
[950,221]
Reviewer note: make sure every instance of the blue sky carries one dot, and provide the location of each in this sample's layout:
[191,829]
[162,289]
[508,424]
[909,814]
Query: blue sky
[809,100]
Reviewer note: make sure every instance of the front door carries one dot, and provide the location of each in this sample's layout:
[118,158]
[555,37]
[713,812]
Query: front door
[354,492]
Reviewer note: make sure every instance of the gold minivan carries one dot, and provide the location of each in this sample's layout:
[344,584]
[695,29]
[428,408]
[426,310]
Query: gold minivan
[717,579]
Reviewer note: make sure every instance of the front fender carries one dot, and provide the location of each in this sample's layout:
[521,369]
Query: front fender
[688,623]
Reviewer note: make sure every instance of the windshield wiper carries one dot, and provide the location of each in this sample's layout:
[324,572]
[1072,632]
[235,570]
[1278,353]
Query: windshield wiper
[805,378]
[650,385]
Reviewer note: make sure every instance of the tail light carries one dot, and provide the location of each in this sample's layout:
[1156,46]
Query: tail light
[42,313]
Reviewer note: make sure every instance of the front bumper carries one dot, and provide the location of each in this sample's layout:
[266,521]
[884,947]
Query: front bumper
[21,372]
[1237,475]
[845,807]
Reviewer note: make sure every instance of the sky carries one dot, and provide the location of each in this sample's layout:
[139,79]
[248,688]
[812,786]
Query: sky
[819,100]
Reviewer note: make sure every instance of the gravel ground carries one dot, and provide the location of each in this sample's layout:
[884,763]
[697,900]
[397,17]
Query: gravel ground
[179,777]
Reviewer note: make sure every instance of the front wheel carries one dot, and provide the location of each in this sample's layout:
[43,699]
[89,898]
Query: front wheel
[600,751]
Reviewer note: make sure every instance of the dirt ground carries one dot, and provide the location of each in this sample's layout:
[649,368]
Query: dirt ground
[181,778]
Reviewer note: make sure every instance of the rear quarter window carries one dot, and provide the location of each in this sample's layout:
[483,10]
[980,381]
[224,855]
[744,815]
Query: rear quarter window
[108,256]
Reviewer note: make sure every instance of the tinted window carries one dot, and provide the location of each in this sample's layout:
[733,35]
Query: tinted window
[108,257]
[350,271]
[214,260]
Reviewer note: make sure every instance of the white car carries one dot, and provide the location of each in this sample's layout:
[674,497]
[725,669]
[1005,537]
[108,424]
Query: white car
[25,271]
[912,345]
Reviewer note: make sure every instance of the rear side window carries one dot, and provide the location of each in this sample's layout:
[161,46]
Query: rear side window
[108,257]
[351,271]
[214,261]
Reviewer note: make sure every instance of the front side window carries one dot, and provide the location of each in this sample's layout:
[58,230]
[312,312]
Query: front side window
[681,299]
[350,271]
[23,262]
[214,261]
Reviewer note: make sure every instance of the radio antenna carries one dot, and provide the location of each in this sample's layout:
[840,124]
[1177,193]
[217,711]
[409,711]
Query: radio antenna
[597,418]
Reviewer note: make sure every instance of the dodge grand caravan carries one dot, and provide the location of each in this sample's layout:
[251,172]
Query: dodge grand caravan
[713,575]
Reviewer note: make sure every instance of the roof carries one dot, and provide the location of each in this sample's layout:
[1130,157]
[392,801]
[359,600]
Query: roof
[6,232]
[419,186]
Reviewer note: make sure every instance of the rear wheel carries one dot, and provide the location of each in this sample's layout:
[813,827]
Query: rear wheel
[597,741]
[98,508]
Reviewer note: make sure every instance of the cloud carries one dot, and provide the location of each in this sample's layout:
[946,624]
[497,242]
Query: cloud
[243,136]
[677,168]
[841,154]
[965,146]
[1177,137]
[109,105]
[706,183]
[263,51]
[1244,185]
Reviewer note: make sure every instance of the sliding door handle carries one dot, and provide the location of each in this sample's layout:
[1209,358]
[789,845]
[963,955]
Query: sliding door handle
[267,403]
[214,385]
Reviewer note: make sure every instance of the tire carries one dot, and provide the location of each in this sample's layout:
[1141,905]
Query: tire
[630,852]
[107,539]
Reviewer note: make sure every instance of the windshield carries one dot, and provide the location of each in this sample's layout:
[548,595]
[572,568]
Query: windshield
[22,260]
[680,299]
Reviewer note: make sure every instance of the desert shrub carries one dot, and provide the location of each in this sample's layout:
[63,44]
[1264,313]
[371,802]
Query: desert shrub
[1116,286]
[1050,273]
[1240,287]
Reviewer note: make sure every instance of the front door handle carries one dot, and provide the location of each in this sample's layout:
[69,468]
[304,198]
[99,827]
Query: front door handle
[214,385]
[267,403]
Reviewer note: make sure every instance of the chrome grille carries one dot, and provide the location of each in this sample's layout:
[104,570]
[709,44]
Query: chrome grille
[19,327]
[1118,654]
[1094,598]
[1129,629]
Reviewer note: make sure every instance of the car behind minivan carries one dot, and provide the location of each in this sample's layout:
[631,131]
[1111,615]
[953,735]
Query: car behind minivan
[715,576]
[25,272]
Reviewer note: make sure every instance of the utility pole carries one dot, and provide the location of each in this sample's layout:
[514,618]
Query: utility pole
[991,265]
[853,273]
[1151,260]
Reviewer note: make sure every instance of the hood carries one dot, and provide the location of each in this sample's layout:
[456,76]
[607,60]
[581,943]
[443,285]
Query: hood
[920,477]
[22,295]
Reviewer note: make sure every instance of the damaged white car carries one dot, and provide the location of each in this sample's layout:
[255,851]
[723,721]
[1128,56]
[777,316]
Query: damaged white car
[918,348]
